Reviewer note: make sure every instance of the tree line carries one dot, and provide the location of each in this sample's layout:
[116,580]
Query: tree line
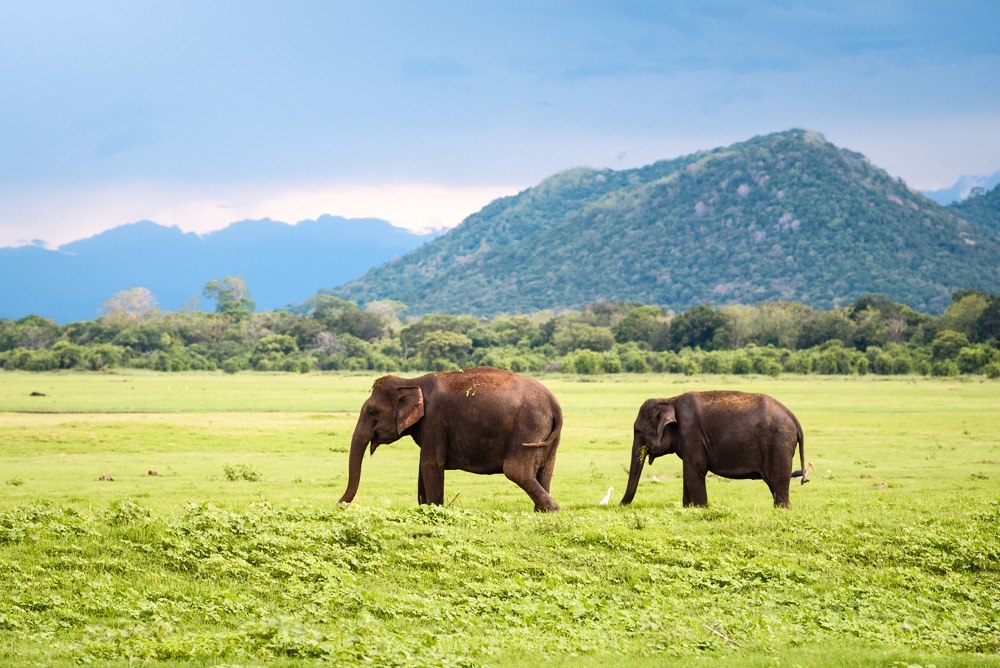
[871,335]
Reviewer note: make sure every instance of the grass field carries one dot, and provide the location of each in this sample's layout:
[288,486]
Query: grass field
[235,554]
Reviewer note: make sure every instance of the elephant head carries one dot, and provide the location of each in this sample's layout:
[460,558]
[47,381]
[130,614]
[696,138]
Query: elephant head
[392,409]
[652,437]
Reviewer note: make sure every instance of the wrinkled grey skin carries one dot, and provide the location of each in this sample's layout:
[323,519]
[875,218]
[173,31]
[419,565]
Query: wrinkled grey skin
[731,434]
[481,420]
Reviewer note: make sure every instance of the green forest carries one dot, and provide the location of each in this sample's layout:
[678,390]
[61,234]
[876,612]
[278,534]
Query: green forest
[871,335]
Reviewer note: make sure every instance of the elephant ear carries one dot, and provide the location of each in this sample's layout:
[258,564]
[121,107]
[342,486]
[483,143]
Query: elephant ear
[409,407]
[663,416]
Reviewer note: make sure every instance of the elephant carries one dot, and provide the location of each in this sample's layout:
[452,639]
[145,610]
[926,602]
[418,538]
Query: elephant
[732,434]
[481,420]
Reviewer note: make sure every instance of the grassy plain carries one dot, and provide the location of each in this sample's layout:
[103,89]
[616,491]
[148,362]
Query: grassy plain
[234,553]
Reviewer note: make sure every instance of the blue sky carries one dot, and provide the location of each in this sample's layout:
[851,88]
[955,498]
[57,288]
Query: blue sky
[198,114]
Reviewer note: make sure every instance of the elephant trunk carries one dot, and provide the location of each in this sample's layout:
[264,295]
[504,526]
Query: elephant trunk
[635,470]
[362,436]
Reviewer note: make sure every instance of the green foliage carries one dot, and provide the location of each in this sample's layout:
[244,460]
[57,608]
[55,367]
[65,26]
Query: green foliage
[981,208]
[231,295]
[769,338]
[696,327]
[947,344]
[241,472]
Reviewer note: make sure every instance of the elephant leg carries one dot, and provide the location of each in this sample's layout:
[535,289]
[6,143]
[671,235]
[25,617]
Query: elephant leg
[779,490]
[421,492]
[523,474]
[695,493]
[545,473]
[430,479]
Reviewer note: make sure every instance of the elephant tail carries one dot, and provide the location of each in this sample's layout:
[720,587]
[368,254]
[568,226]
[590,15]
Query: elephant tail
[553,436]
[800,439]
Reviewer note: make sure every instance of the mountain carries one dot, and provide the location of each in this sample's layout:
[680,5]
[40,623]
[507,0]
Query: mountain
[783,216]
[981,208]
[963,188]
[282,263]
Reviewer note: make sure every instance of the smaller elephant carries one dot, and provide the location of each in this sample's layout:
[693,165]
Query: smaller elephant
[732,434]
[481,420]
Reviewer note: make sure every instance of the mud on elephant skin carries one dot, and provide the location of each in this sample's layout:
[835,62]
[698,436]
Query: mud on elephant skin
[732,434]
[481,420]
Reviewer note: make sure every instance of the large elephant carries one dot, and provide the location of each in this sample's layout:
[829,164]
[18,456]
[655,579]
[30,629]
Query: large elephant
[482,420]
[731,434]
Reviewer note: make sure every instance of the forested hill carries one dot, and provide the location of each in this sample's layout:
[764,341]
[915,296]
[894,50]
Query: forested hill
[785,216]
[981,208]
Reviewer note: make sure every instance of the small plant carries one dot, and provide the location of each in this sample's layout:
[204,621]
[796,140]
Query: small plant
[241,472]
[15,482]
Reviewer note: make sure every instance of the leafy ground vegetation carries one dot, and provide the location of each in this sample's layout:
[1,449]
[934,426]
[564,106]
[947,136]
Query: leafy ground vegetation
[870,336]
[189,519]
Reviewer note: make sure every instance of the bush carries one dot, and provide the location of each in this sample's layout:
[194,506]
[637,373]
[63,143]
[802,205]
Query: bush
[769,367]
[902,366]
[992,370]
[241,472]
[797,362]
[68,354]
[715,362]
[635,362]
[232,365]
[691,367]
[667,362]
[742,364]
[882,365]
[944,368]
[863,366]
[972,359]
[585,362]
[105,356]
[610,363]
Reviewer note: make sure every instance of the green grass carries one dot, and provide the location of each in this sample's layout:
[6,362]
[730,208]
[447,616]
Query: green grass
[234,553]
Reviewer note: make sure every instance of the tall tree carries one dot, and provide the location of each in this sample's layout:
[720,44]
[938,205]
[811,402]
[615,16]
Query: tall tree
[231,295]
[133,304]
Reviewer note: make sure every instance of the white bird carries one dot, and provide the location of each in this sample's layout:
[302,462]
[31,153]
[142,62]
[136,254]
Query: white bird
[655,479]
[607,497]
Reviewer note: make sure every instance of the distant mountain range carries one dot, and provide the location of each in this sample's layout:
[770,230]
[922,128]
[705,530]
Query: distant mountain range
[282,263]
[784,216]
[963,188]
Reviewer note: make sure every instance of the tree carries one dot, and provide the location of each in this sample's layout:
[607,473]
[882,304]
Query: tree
[963,314]
[580,336]
[231,295]
[695,327]
[35,332]
[822,327]
[988,324]
[367,325]
[739,323]
[442,345]
[640,324]
[132,304]
[327,308]
[947,344]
